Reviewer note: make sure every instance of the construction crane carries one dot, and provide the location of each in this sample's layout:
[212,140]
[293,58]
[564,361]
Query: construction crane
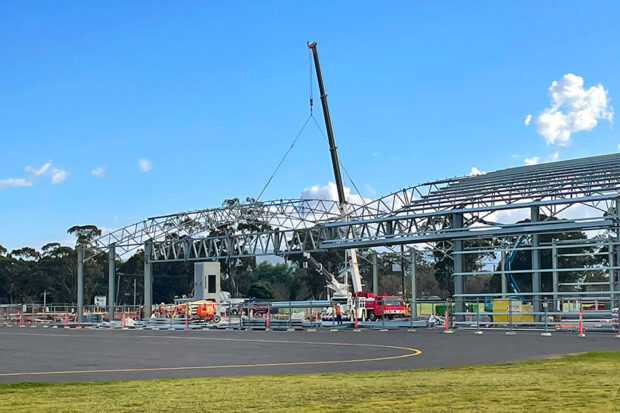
[341,290]
[352,268]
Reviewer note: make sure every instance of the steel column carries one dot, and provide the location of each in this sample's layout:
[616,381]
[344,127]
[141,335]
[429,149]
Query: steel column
[414,310]
[503,276]
[459,280]
[148,279]
[111,275]
[555,274]
[612,284]
[375,274]
[617,224]
[80,282]
[536,281]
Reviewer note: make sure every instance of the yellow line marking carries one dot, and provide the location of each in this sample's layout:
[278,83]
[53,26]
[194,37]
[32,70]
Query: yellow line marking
[410,353]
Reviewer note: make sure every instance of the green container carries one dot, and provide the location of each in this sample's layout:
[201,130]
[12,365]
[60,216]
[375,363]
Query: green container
[440,309]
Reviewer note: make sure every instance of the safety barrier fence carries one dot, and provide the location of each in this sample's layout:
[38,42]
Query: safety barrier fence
[585,311]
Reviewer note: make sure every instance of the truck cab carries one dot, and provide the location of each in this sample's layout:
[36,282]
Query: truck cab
[375,307]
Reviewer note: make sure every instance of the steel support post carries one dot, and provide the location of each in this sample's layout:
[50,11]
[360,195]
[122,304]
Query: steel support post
[503,275]
[612,284]
[414,310]
[148,279]
[536,281]
[111,276]
[375,274]
[402,267]
[80,282]
[617,272]
[459,280]
[555,274]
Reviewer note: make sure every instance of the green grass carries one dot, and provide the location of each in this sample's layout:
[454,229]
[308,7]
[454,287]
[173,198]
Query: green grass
[582,382]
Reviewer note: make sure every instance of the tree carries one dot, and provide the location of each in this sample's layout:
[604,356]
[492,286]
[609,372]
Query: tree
[261,290]
[49,248]
[444,262]
[84,233]
[26,253]
[523,262]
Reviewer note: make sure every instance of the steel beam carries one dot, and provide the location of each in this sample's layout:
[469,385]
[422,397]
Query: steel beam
[555,275]
[611,272]
[617,231]
[502,262]
[414,302]
[459,280]
[80,282]
[111,279]
[536,279]
[148,279]
[375,274]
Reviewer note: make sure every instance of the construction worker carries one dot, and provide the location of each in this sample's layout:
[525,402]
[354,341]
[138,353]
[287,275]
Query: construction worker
[338,311]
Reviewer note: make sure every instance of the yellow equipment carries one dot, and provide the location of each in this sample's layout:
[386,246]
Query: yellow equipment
[500,305]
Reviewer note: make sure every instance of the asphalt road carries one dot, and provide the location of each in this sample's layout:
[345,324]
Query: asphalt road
[55,355]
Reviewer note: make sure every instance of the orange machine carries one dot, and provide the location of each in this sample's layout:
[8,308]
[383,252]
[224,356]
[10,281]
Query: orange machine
[202,309]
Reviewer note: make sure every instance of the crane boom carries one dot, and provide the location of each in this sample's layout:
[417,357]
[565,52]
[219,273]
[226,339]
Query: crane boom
[351,255]
[340,289]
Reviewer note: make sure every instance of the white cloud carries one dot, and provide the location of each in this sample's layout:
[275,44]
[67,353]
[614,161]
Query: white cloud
[528,119]
[330,192]
[58,175]
[14,183]
[532,161]
[99,172]
[555,155]
[370,190]
[475,171]
[145,165]
[38,171]
[573,109]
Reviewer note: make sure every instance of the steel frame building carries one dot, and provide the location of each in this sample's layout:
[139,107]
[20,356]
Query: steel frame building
[450,211]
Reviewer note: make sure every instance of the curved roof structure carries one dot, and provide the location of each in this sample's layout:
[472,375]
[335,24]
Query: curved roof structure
[403,216]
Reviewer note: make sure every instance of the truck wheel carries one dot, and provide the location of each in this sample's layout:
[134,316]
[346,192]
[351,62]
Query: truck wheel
[216,319]
[372,316]
[235,312]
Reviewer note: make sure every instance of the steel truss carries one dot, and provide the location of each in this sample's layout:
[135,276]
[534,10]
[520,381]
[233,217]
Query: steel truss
[445,214]
[420,214]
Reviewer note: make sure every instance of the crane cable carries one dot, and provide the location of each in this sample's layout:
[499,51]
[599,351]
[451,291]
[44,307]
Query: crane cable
[310,116]
[283,158]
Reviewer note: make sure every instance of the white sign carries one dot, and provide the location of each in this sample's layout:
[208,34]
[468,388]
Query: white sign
[100,300]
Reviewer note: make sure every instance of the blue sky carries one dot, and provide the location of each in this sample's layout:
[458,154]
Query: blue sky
[212,94]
